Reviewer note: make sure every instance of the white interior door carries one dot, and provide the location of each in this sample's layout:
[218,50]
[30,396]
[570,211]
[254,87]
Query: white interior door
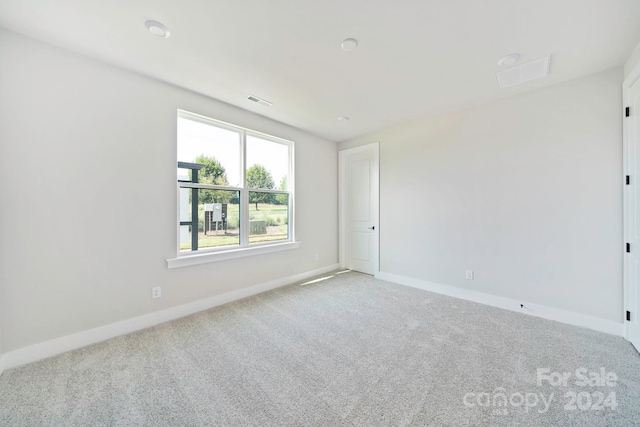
[632,214]
[359,228]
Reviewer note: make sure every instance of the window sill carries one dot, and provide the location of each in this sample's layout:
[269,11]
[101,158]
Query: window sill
[185,260]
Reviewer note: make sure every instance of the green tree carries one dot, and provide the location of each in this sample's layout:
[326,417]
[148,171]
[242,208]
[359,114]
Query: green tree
[212,173]
[259,177]
[282,199]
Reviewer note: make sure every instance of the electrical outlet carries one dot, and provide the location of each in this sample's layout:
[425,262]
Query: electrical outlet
[317,257]
[469,275]
[156,292]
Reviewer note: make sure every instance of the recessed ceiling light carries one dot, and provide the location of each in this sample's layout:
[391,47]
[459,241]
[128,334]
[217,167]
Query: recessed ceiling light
[349,44]
[510,59]
[343,119]
[157,28]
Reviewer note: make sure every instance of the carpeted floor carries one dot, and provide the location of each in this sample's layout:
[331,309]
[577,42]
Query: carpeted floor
[347,351]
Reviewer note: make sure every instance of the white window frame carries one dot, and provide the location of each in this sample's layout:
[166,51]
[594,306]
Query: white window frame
[244,248]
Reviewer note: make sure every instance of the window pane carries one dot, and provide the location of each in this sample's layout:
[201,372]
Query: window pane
[216,148]
[267,164]
[184,174]
[185,204]
[217,221]
[268,217]
[185,237]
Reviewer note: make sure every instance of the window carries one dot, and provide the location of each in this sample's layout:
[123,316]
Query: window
[235,187]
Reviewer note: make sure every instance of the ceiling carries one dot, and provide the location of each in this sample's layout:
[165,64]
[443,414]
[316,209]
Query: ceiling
[415,58]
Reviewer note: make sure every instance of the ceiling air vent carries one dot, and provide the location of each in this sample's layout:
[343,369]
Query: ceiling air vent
[260,101]
[523,73]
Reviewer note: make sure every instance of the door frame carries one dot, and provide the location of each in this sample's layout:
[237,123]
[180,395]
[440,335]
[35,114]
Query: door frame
[342,194]
[632,78]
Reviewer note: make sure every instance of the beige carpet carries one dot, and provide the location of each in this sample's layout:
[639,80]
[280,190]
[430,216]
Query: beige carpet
[348,351]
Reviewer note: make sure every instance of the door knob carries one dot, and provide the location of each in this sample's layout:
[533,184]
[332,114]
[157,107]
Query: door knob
[372,228]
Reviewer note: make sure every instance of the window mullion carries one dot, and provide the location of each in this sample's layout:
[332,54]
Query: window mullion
[266,190]
[291,183]
[244,194]
[184,184]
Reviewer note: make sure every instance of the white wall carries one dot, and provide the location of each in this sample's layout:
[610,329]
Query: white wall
[632,62]
[525,191]
[88,212]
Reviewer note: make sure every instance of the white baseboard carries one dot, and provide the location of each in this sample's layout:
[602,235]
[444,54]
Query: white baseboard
[56,346]
[570,317]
